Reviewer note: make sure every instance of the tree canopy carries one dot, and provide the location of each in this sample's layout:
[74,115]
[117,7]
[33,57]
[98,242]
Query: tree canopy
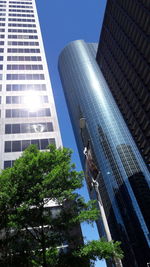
[41,212]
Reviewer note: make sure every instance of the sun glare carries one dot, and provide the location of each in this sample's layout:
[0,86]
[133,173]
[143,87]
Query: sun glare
[32,101]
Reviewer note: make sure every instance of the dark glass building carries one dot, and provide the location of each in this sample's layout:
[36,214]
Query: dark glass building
[112,156]
[123,57]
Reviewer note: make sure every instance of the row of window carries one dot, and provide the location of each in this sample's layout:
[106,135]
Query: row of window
[23,58]
[2,36]
[21,43]
[15,6]
[23,67]
[25,77]
[2,24]
[21,10]
[28,128]
[22,30]
[2,9]
[25,87]
[19,25]
[13,2]
[2,14]
[23,99]
[1,50]
[2,19]
[21,145]
[2,30]
[25,113]
[20,15]
[21,37]
[21,50]
[2,1]
[22,20]
[3,5]
[1,67]
[1,42]
[1,58]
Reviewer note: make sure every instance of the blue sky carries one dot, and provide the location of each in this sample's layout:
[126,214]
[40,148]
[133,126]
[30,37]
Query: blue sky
[63,21]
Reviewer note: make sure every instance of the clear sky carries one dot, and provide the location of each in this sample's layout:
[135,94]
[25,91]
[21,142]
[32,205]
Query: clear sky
[63,21]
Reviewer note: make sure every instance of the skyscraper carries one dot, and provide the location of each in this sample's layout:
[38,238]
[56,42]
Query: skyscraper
[112,156]
[123,57]
[27,107]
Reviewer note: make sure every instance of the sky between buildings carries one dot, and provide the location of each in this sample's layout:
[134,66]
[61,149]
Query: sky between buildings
[63,21]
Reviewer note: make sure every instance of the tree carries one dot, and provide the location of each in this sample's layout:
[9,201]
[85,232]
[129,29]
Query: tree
[40,212]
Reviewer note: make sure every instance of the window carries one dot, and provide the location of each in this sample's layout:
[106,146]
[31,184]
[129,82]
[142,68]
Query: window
[7,146]
[7,164]
[8,129]
[14,6]
[23,43]
[22,20]
[25,113]
[12,2]
[23,58]
[16,146]
[25,87]
[21,15]
[20,25]
[21,36]
[22,50]
[24,77]
[21,10]
[24,67]
[21,99]
[20,145]
[25,144]
[29,128]
[22,30]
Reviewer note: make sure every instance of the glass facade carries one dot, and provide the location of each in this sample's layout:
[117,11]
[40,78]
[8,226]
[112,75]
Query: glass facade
[123,57]
[114,151]
[27,108]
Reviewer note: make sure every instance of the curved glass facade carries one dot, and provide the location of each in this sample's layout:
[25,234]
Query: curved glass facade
[117,157]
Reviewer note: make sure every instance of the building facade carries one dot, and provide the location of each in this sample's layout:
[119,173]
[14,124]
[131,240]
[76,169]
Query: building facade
[114,157]
[123,57]
[27,108]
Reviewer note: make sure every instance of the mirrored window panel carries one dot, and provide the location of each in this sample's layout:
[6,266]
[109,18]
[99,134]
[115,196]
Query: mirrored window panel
[23,58]
[24,67]
[25,99]
[25,113]
[25,77]
[25,87]
[21,145]
[29,128]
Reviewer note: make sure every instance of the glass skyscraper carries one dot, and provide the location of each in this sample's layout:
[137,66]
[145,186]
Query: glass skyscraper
[123,176]
[27,108]
[123,57]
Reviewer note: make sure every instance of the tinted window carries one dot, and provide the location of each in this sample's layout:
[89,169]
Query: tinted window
[8,129]
[16,146]
[8,146]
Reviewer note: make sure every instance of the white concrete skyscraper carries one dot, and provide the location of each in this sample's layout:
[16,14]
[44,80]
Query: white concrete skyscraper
[27,108]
